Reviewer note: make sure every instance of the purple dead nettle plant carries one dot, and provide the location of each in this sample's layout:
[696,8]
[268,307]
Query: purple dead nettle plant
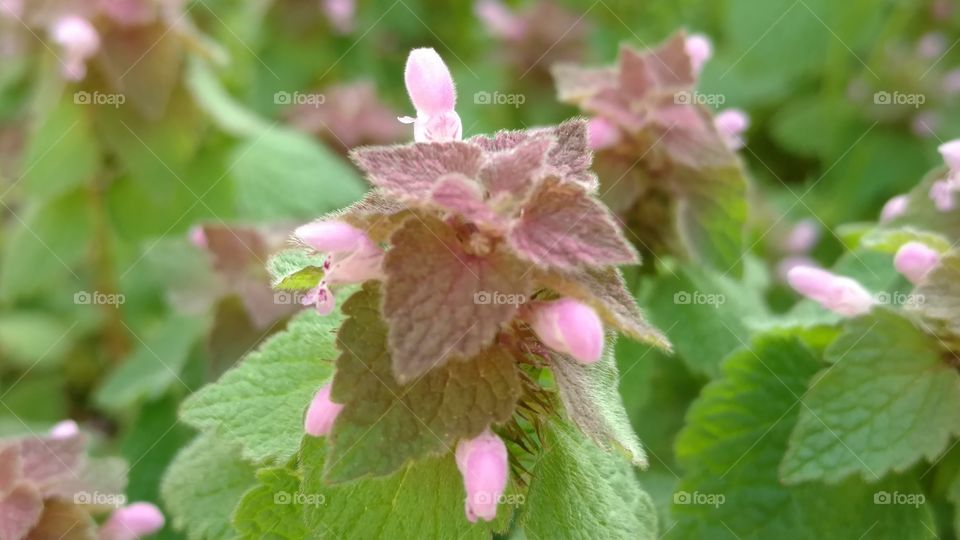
[664,160]
[485,251]
[50,487]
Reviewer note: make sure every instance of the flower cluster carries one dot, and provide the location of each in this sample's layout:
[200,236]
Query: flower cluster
[50,488]
[493,246]
[657,142]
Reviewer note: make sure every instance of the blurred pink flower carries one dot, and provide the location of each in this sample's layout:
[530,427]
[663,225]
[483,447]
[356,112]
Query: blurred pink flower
[700,49]
[79,42]
[483,463]
[321,414]
[132,522]
[569,327]
[499,20]
[915,260]
[839,294]
[732,123]
[894,208]
[341,14]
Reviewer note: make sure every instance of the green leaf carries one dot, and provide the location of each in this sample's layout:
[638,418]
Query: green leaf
[704,313]
[153,367]
[591,400]
[713,216]
[33,339]
[283,174]
[210,95]
[736,435]
[295,269]
[384,424]
[273,509]
[47,242]
[886,401]
[203,485]
[62,152]
[259,404]
[890,240]
[424,500]
[580,492]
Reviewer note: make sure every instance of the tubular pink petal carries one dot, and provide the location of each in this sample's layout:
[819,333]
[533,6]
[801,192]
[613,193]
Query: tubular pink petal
[915,260]
[429,83]
[569,327]
[341,14]
[333,236]
[79,40]
[321,297]
[601,133]
[499,20]
[441,127]
[894,208]
[732,123]
[950,151]
[839,294]
[321,414]
[64,430]
[483,463]
[700,49]
[941,193]
[132,522]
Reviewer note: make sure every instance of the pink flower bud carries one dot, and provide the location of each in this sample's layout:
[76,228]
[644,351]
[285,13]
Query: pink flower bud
[341,14]
[951,82]
[839,294]
[569,327]
[79,40]
[65,429]
[321,413]
[132,522]
[894,208]
[699,49]
[941,193]
[601,133]
[499,20]
[931,45]
[11,8]
[950,151]
[332,236]
[483,463]
[803,236]
[197,236]
[732,123]
[915,260]
[433,95]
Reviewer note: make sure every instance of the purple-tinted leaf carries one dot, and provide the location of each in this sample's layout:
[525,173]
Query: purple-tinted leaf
[20,509]
[514,170]
[461,195]
[409,172]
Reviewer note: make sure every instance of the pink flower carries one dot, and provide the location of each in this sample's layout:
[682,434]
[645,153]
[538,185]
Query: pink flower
[839,294]
[321,297]
[699,49]
[915,260]
[602,133]
[499,20]
[924,124]
[951,82]
[79,41]
[569,327]
[894,208]
[732,123]
[433,95]
[351,258]
[950,151]
[197,236]
[803,236]
[11,8]
[941,193]
[64,430]
[484,466]
[132,522]
[321,414]
[931,45]
[130,12]
[341,14]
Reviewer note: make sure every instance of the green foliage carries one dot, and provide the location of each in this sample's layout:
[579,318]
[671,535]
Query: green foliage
[273,508]
[295,269]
